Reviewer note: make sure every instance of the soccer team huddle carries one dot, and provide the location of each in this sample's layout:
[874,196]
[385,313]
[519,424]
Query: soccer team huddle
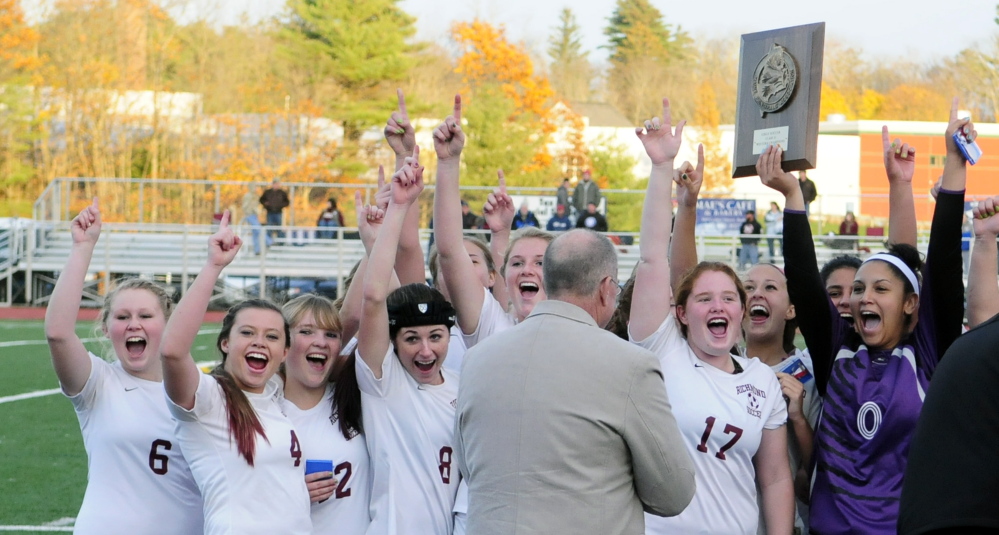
[340,417]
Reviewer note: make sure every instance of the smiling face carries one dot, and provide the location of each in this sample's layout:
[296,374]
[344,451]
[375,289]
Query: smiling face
[524,279]
[839,286]
[422,350]
[255,347]
[768,303]
[486,277]
[880,305]
[135,324]
[312,354]
[713,314]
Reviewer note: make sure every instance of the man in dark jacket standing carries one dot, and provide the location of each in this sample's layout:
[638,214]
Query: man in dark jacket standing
[808,190]
[586,192]
[274,200]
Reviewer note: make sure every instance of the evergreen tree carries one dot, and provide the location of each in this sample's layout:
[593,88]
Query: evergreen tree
[570,70]
[359,44]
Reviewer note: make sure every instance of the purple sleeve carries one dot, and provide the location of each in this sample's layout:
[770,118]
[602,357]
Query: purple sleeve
[941,297]
[821,325]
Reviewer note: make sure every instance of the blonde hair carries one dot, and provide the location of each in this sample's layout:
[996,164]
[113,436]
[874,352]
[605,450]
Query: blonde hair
[522,234]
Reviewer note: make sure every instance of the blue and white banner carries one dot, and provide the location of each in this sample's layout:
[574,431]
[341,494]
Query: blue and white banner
[722,216]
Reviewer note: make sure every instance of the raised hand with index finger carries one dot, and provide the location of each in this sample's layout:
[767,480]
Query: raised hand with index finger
[86,226]
[407,182]
[499,210]
[449,139]
[688,180]
[900,158]
[661,143]
[954,124]
[399,132]
[224,244]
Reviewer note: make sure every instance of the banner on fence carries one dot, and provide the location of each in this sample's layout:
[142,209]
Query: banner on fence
[722,216]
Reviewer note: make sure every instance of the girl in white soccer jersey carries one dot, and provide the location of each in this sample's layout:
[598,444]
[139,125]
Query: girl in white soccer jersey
[408,399]
[138,481]
[479,313]
[322,400]
[251,484]
[769,329]
[730,409]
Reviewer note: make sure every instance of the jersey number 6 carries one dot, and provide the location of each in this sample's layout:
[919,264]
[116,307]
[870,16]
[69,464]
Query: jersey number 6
[158,461]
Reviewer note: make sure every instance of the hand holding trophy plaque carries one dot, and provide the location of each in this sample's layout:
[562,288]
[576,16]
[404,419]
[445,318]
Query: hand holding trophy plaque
[780,82]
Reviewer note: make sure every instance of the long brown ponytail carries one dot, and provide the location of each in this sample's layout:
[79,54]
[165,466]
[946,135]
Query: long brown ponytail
[243,421]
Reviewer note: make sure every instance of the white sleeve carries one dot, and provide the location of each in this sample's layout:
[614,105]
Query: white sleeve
[492,319]
[666,338]
[206,399]
[392,374]
[778,407]
[86,398]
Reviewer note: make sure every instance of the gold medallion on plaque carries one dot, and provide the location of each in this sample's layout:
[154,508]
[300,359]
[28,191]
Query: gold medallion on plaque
[774,80]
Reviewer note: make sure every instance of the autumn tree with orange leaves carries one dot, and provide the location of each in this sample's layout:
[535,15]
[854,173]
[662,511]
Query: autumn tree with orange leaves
[508,104]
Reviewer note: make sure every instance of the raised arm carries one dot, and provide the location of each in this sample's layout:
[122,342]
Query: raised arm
[683,246]
[70,358]
[498,213]
[900,164]
[373,333]
[457,271]
[369,221]
[180,373]
[983,288]
[401,137]
[651,302]
[942,274]
[804,285]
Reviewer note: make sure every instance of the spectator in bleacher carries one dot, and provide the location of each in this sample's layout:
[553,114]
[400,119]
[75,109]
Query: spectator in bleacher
[275,200]
[524,218]
[849,226]
[330,218]
[808,190]
[469,220]
[592,219]
[560,221]
[586,192]
[562,195]
[775,228]
[749,253]
[250,216]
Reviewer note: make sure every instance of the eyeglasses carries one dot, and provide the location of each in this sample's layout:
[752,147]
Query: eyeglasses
[617,285]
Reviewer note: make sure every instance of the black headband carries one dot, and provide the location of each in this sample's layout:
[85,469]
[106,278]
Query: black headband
[417,314]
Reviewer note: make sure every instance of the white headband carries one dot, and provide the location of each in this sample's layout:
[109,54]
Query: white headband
[897,262]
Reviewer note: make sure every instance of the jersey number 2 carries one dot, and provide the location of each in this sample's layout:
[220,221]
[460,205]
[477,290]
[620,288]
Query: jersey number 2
[729,430]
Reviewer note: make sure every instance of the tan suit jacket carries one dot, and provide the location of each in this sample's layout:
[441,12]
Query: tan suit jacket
[562,427]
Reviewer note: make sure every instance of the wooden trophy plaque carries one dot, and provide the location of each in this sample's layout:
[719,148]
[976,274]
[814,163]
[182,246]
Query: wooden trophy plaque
[780,82]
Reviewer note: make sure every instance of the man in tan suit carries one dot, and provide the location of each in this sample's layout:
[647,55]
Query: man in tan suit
[562,427]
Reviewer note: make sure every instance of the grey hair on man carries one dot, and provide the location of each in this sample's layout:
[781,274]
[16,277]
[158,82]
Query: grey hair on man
[577,262]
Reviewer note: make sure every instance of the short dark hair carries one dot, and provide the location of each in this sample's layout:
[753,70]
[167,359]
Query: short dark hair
[577,261]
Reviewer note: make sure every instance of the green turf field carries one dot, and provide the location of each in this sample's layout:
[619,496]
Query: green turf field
[43,467]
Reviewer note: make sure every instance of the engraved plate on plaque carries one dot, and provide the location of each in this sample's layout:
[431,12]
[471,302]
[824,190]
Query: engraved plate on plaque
[765,137]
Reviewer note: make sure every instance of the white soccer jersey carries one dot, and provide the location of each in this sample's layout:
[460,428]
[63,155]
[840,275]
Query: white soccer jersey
[493,318]
[721,417]
[138,481]
[347,510]
[266,498]
[455,351]
[409,429]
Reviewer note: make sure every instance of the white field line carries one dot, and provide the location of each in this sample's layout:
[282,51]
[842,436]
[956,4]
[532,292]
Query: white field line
[36,529]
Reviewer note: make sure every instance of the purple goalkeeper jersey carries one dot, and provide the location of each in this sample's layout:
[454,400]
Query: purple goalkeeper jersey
[871,406]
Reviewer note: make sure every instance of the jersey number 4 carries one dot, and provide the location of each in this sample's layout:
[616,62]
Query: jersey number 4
[729,430]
